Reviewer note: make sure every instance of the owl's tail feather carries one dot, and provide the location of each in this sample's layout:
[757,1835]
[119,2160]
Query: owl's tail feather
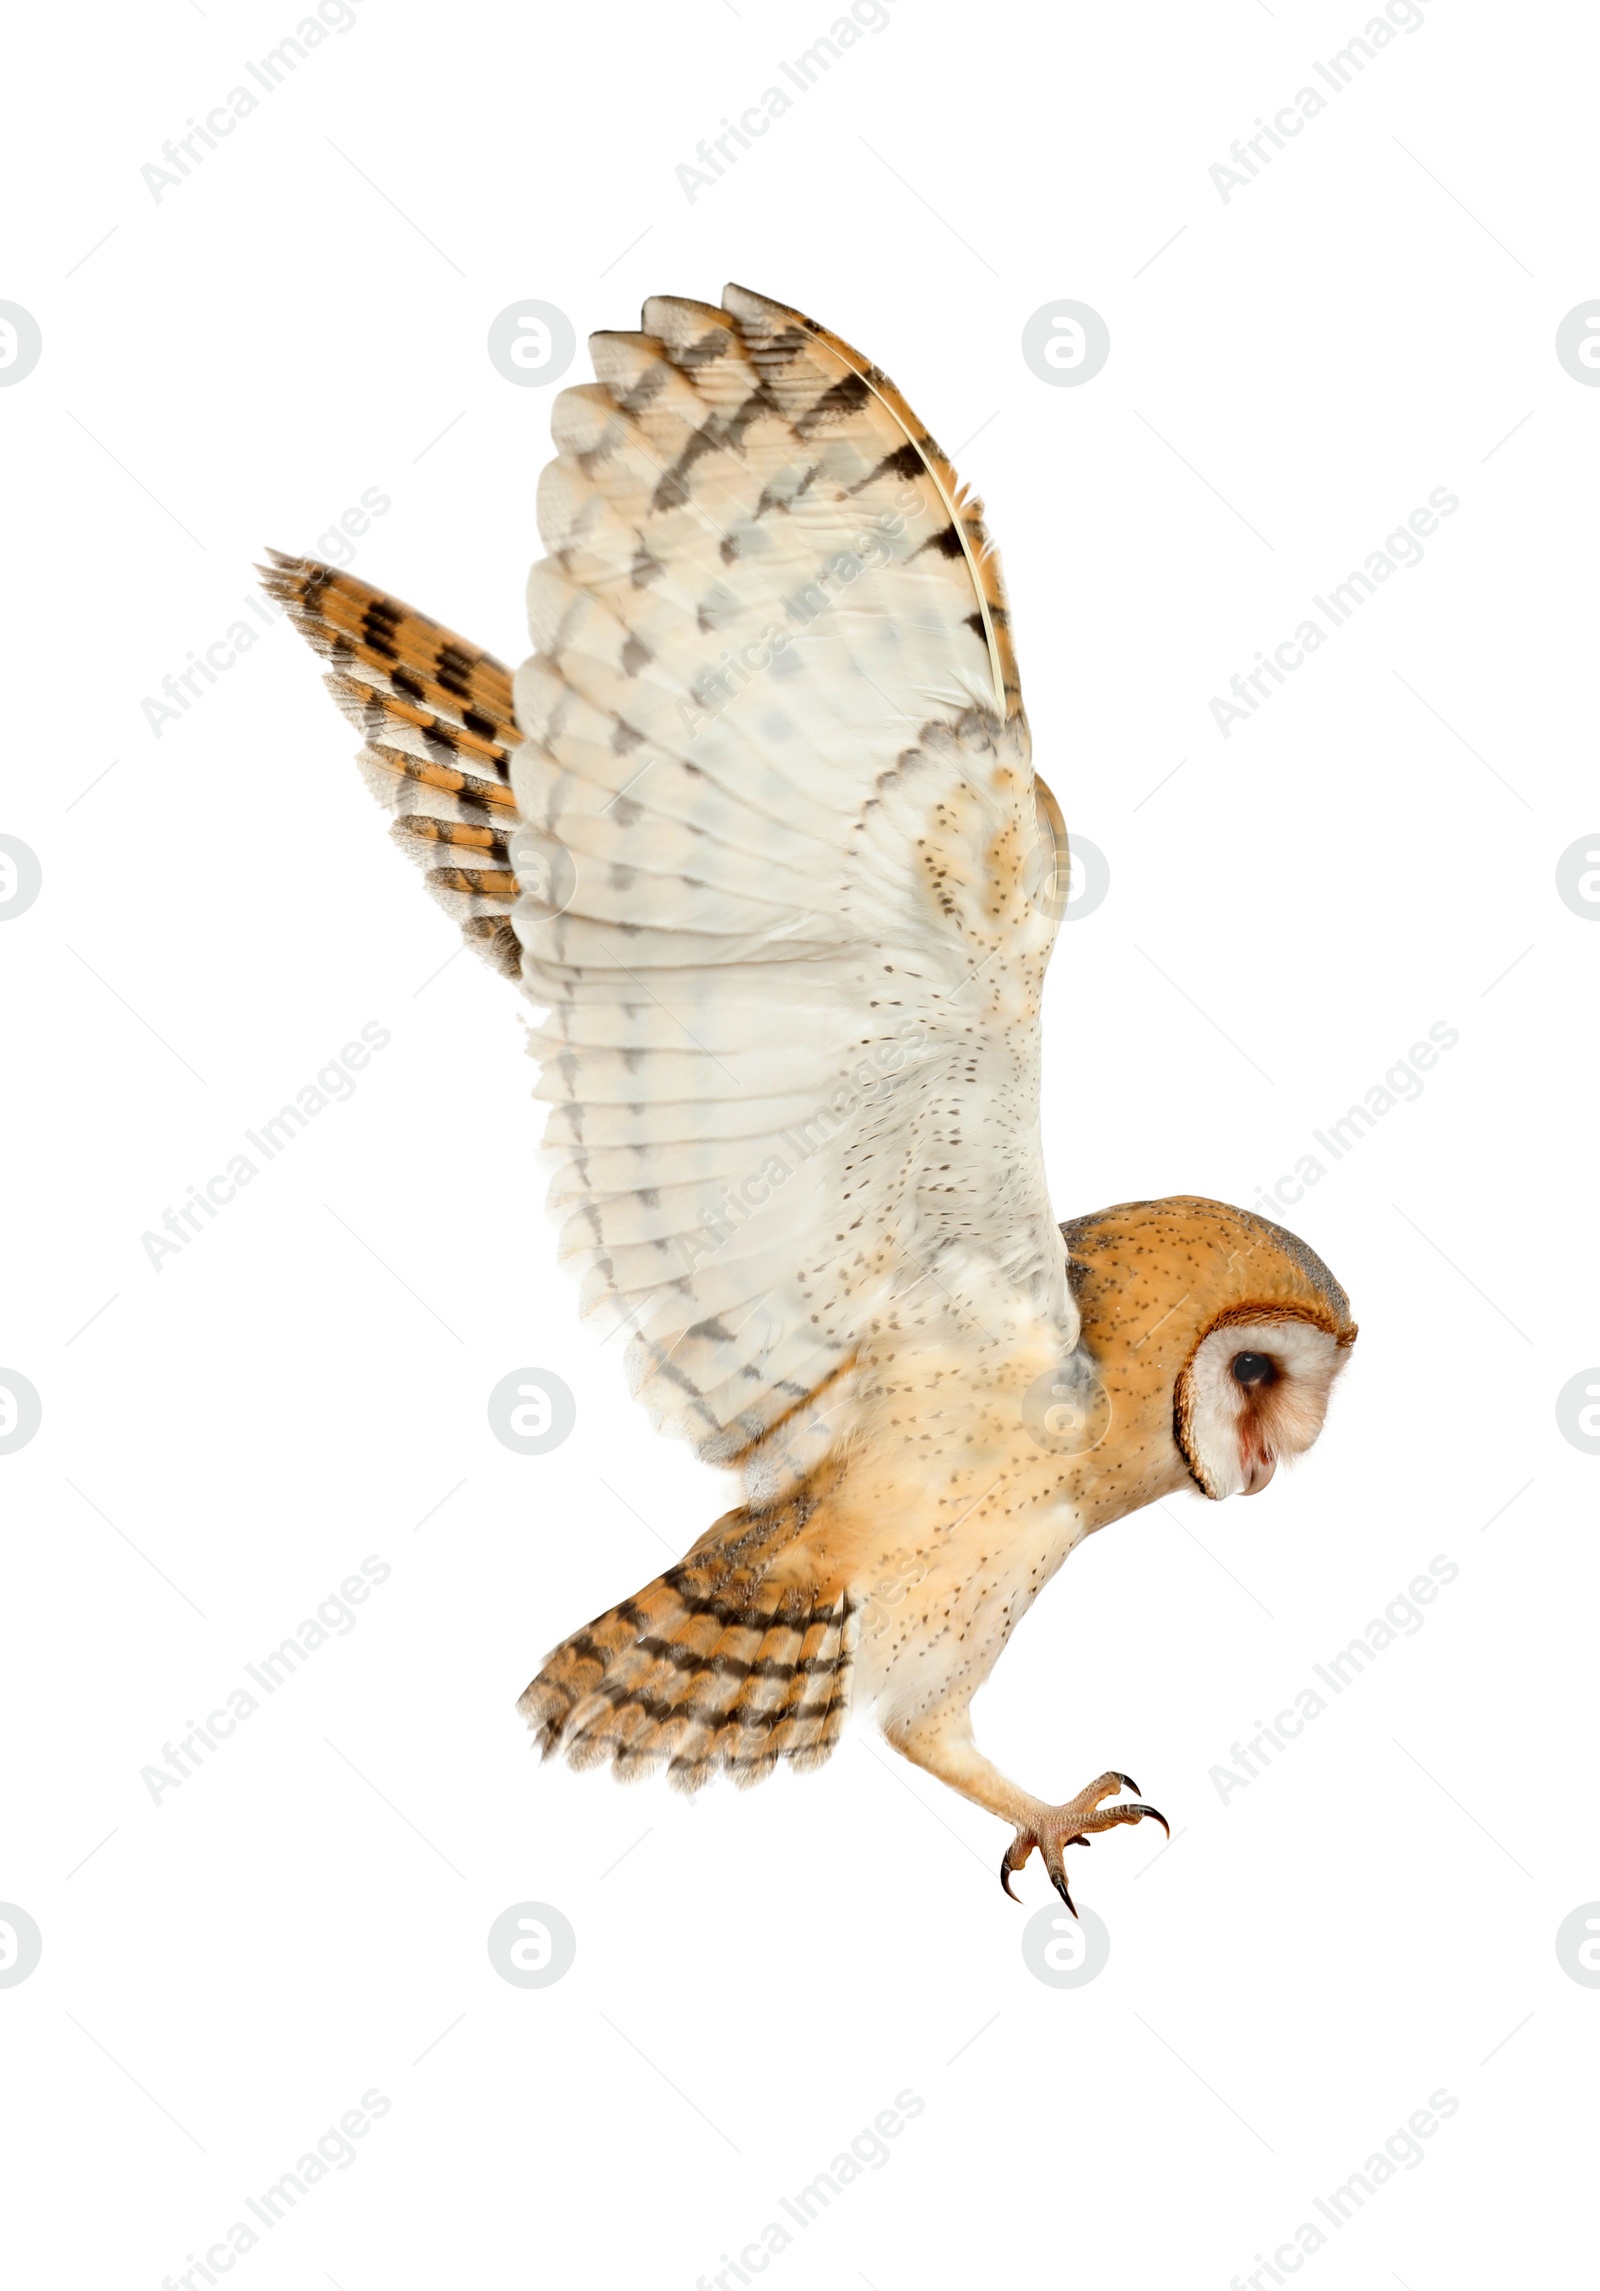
[716,1666]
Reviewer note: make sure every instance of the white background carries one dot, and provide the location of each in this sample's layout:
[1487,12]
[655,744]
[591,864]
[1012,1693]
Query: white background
[1369,1922]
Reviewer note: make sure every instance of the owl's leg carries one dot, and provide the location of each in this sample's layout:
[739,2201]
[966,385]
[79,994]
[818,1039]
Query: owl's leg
[941,1743]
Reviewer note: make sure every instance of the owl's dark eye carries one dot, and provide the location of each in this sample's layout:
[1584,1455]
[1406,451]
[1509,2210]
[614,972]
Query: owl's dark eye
[1253,1368]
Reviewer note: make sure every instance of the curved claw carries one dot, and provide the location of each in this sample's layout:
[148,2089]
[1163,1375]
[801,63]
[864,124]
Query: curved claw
[1086,1807]
[1015,1855]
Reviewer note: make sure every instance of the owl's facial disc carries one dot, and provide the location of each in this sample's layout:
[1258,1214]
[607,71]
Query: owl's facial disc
[1254,1393]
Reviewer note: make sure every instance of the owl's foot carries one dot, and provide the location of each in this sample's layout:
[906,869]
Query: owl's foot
[1053,1828]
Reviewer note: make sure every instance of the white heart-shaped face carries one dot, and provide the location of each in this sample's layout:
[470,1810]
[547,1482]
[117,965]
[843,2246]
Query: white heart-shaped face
[1254,1394]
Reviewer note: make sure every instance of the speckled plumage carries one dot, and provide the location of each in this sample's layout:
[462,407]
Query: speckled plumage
[765,844]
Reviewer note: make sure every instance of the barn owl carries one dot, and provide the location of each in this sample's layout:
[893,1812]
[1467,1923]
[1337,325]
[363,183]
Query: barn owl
[756,828]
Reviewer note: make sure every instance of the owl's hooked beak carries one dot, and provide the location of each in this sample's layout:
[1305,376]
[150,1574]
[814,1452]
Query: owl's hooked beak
[1259,1469]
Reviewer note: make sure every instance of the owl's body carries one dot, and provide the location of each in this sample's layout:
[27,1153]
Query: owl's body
[758,828]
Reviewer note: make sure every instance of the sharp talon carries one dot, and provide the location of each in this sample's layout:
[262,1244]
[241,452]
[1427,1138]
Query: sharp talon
[1152,1813]
[1060,1884]
[1087,1807]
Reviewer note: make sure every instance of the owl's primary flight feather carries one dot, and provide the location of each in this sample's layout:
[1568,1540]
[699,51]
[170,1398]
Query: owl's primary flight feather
[757,827]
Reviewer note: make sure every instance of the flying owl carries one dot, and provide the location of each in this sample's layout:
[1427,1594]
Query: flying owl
[756,827]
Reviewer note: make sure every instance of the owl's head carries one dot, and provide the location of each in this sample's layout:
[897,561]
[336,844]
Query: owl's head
[1218,1337]
[1252,1395]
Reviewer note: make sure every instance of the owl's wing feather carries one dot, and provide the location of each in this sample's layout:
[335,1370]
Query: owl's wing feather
[437,721]
[786,883]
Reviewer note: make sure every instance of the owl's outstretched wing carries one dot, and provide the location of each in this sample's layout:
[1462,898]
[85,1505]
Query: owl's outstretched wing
[767,846]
